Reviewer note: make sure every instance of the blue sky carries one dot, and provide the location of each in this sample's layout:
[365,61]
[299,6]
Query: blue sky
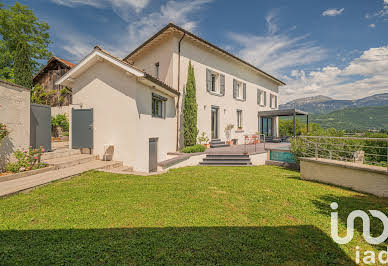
[334,48]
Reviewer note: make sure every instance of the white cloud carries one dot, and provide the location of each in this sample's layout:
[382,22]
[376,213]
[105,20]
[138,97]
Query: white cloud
[333,12]
[372,25]
[181,13]
[275,52]
[121,7]
[380,13]
[365,75]
[271,22]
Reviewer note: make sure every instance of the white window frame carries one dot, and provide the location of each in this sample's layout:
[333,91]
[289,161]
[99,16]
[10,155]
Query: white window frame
[217,83]
[262,100]
[239,90]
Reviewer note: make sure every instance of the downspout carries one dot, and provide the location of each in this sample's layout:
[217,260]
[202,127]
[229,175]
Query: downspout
[177,105]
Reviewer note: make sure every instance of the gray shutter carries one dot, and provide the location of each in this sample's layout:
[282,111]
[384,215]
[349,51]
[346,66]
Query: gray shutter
[208,79]
[244,91]
[258,96]
[234,88]
[265,98]
[222,84]
[276,101]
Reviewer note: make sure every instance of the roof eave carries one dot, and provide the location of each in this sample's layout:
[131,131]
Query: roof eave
[172,25]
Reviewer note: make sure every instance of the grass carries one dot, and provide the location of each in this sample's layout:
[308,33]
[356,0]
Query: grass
[194,215]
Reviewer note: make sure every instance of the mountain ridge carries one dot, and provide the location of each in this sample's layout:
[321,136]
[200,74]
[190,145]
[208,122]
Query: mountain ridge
[323,104]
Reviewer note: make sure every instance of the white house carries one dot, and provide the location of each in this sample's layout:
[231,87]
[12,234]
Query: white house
[138,99]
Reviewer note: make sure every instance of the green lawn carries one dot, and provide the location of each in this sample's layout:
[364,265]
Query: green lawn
[194,215]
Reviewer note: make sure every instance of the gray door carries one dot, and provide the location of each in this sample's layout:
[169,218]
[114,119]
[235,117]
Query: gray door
[40,126]
[153,154]
[82,128]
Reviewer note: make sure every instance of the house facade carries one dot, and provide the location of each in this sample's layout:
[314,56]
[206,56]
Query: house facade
[229,90]
[137,101]
[48,76]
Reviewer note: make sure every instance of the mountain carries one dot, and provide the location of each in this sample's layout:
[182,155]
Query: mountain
[323,104]
[362,118]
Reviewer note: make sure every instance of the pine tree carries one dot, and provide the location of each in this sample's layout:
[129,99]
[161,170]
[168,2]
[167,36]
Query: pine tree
[190,130]
[23,65]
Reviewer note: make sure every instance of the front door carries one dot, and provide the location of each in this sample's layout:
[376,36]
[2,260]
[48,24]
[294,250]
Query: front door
[214,121]
[82,128]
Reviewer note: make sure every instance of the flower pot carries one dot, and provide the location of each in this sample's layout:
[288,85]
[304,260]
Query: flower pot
[230,142]
[207,145]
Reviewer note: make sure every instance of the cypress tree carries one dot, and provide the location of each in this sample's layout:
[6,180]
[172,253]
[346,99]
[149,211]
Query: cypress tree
[190,130]
[23,65]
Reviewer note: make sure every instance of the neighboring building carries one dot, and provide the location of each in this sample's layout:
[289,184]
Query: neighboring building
[138,99]
[49,75]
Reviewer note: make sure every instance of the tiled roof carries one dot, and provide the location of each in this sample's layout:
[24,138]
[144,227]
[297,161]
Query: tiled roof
[185,32]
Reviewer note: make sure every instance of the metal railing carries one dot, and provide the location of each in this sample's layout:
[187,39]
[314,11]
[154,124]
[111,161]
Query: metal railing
[371,151]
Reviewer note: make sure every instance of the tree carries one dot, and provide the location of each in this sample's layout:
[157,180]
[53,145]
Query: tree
[190,130]
[23,66]
[40,96]
[19,28]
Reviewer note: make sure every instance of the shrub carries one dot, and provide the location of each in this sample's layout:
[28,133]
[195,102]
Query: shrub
[3,131]
[26,160]
[59,121]
[203,139]
[194,148]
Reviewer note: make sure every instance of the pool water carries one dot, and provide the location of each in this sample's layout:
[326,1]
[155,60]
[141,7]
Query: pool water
[281,156]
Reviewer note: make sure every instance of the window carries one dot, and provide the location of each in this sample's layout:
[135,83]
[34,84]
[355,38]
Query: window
[273,101]
[239,119]
[215,82]
[215,87]
[157,70]
[238,90]
[260,97]
[158,105]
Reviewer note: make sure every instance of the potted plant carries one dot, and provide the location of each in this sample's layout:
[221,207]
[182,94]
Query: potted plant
[239,128]
[204,140]
[228,130]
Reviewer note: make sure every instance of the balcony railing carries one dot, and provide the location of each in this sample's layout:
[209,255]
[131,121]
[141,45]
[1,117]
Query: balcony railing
[371,151]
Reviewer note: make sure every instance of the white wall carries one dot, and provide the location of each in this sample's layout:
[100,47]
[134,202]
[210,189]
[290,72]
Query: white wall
[203,58]
[158,53]
[122,115]
[15,114]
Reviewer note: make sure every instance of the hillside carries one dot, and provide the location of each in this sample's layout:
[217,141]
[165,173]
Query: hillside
[363,118]
[322,104]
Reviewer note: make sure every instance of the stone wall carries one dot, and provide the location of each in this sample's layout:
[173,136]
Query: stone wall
[359,177]
[15,114]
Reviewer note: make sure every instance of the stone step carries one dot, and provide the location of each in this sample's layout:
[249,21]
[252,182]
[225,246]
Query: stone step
[217,158]
[238,155]
[219,145]
[223,162]
[64,162]
[215,140]
[123,169]
[59,154]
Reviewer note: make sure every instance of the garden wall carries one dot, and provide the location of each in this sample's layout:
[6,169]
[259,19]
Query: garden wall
[60,110]
[15,114]
[359,177]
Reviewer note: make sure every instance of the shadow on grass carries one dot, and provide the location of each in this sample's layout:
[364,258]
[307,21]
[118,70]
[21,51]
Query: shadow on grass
[357,202]
[171,245]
